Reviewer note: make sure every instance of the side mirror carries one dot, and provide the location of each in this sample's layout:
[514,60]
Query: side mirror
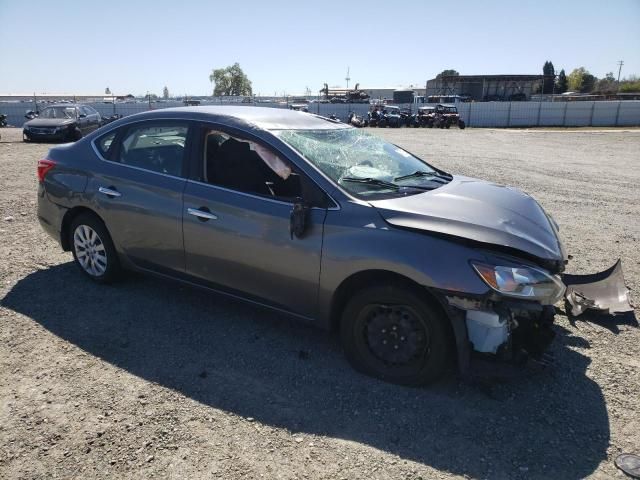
[298,220]
[82,115]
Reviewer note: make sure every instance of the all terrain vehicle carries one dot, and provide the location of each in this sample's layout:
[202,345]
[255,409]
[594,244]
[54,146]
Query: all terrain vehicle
[447,115]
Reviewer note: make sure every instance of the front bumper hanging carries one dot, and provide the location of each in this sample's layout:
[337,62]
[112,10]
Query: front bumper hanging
[604,292]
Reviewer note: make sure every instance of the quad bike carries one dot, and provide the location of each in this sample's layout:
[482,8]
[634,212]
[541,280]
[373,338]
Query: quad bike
[449,116]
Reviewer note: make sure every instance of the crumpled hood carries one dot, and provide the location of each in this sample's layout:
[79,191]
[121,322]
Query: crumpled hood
[480,211]
[49,122]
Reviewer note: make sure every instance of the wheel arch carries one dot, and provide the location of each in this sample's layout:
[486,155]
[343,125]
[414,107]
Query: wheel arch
[369,278]
[67,220]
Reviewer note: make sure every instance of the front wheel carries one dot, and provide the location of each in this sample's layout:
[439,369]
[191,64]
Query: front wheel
[93,249]
[393,334]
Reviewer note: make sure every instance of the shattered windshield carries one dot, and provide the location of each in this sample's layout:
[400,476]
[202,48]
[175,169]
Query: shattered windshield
[363,164]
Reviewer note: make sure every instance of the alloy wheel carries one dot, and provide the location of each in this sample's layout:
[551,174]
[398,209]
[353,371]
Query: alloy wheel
[90,250]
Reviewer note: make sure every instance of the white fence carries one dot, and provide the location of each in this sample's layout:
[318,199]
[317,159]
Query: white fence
[481,114]
[547,114]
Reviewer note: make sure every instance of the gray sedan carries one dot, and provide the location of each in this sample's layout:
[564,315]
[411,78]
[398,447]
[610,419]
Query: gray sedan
[415,267]
[66,122]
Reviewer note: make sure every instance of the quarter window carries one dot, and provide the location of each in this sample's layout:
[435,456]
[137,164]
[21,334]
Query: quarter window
[105,143]
[159,148]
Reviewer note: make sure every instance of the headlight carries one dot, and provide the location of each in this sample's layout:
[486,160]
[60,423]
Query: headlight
[522,282]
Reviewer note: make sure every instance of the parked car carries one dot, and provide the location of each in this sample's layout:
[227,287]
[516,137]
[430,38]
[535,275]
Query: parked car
[414,266]
[68,122]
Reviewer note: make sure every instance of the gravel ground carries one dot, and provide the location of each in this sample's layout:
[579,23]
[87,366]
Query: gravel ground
[148,379]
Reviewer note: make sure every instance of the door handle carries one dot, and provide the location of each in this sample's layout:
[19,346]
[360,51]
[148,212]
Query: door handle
[110,192]
[202,214]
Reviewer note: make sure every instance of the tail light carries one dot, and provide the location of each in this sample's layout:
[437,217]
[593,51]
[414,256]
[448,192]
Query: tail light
[43,168]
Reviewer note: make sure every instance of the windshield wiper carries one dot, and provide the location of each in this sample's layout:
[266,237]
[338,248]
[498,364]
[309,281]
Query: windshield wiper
[421,173]
[371,181]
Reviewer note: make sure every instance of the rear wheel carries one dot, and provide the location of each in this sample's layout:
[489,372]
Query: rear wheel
[93,249]
[393,334]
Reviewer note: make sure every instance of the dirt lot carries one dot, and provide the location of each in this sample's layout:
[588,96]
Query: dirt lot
[148,379]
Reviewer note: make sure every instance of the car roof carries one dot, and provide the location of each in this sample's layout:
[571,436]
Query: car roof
[66,105]
[265,118]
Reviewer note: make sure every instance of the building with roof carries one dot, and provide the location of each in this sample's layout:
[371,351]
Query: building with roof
[483,88]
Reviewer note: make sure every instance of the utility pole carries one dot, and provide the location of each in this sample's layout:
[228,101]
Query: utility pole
[620,63]
[347,78]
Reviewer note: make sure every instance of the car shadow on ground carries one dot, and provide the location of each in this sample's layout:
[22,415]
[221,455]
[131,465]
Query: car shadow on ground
[260,364]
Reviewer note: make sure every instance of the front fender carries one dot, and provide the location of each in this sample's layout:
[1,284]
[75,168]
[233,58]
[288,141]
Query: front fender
[366,242]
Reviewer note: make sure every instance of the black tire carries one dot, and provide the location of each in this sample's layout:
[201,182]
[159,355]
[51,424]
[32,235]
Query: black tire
[420,330]
[74,135]
[94,266]
[461,124]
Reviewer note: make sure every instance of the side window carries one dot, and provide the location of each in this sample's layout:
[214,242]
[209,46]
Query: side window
[159,148]
[105,143]
[248,166]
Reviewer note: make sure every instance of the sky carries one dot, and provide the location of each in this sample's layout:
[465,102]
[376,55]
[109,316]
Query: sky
[139,46]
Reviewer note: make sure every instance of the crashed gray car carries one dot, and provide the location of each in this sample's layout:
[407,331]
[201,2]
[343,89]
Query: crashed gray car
[415,267]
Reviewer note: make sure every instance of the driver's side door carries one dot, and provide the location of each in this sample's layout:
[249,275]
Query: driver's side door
[239,240]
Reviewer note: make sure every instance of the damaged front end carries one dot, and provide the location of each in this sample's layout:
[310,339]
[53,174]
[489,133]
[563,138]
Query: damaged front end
[603,292]
[515,321]
[510,330]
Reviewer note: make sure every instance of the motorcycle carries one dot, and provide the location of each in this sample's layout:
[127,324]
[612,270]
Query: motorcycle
[357,120]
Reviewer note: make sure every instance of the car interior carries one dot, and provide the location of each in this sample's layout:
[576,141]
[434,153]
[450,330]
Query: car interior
[237,165]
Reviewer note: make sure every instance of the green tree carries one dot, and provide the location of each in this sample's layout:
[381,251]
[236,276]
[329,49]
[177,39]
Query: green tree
[580,80]
[448,73]
[230,81]
[549,77]
[165,93]
[607,84]
[630,84]
[562,84]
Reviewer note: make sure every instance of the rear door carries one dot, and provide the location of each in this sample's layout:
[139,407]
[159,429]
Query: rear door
[236,232]
[138,188]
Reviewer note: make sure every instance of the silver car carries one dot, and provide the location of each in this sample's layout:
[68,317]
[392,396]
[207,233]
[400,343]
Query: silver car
[415,267]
